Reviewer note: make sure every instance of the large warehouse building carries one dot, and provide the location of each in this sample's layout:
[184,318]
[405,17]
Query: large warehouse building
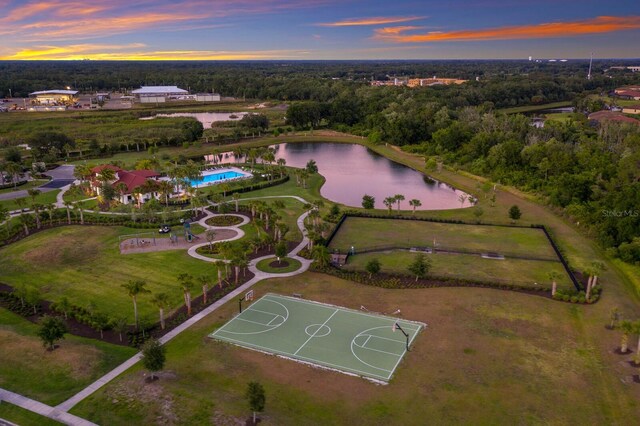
[158,94]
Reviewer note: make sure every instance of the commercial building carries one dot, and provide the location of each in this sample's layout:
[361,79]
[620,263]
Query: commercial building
[632,109]
[159,94]
[53,97]
[604,116]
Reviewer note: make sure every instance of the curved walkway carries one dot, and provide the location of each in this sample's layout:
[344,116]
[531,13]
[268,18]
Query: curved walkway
[259,276]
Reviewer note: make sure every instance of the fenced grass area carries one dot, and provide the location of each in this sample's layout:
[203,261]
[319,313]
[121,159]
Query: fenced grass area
[522,256]
[327,336]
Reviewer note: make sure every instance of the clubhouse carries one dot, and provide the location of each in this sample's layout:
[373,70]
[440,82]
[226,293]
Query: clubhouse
[132,186]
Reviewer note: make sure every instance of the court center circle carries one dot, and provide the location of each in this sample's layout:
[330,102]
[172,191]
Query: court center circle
[317,330]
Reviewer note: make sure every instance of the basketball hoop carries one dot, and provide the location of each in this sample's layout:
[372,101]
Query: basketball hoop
[249,296]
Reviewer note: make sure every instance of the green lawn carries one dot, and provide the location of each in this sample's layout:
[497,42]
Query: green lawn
[533,108]
[42,198]
[27,368]
[23,417]
[288,215]
[84,264]
[293,265]
[29,185]
[483,354]
[367,233]
[527,273]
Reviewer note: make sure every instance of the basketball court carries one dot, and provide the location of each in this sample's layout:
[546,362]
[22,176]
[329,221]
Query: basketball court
[328,336]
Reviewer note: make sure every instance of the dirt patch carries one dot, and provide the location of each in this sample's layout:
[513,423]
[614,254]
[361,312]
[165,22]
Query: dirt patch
[66,250]
[136,392]
[281,264]
[17,350]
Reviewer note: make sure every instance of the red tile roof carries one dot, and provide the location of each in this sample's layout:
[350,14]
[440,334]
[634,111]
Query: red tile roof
[98,169]
[145,173]
[630,93]
[612,116]
[131,180]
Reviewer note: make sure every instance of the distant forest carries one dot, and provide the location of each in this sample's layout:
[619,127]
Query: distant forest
[503,83]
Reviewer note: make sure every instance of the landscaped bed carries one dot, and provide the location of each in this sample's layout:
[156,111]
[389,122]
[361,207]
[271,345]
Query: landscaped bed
[275,266]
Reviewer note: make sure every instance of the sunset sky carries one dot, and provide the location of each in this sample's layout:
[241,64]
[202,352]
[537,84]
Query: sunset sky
[318,29]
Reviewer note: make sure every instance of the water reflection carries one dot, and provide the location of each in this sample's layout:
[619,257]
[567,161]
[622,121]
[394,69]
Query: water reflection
[353,170]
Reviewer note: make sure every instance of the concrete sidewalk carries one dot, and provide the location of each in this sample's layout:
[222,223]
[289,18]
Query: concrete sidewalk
[42,409]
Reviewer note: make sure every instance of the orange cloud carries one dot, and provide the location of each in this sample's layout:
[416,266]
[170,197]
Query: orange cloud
[598,25]
[354,22]
[28,10]
[134,52]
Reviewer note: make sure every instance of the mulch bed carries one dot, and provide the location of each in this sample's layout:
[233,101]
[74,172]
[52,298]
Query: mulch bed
[282,264]
[618,352]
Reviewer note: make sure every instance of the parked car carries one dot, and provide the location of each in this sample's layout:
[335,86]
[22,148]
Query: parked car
[164,229]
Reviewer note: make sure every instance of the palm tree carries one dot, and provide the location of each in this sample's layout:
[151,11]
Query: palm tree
[389,201]
[626,327]
[414,203]
[596,269]
[50,209]
[236,198]
[33,193]
[186,284]
[219,266]
[166,189]
[134,288]
[204,282]
[37,208]
[68,205]
[553,277]
[281,162]
[14,170]
[224,187]
[79,208]
[106,175]
[636,331]
[398,198]
[4,217]
[321,255]
[121,188]
[462,198]
[161,300]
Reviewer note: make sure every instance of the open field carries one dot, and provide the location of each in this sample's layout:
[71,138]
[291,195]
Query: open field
[369,233]
[26,367]
[84,264]
[534,108]
[527,273]
[484,353]
[42,198]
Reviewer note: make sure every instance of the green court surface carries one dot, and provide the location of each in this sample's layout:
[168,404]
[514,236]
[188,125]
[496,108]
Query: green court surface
[328,336]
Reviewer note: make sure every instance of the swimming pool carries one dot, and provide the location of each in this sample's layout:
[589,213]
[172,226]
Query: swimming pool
[215,176]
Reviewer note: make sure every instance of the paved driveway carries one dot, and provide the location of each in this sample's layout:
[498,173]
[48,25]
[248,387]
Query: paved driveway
[62,176]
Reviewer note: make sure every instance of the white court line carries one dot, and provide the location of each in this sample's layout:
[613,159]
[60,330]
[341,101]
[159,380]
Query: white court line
[376,350]
[316,332]
[262,312]
[274,318]
[314,361]
[403,354]
[365,342]
[252,322]
[237,317]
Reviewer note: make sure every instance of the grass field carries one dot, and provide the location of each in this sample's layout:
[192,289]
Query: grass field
[326,335]
[526,273]
[23,417]
[42,198]
[26,367]
[84,264]
[488,357]
[534,108]
[368,233]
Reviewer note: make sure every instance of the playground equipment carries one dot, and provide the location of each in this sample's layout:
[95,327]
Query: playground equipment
[188,236]
[139,239]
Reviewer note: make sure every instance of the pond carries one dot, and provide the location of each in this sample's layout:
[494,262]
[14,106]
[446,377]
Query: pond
[206,118]
[353,170]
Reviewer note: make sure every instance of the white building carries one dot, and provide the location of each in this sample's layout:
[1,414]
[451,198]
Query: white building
[52,97]
[207,97]
[158,94]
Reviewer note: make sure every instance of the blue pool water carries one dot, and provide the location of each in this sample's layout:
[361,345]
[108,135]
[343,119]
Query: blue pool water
[215,177]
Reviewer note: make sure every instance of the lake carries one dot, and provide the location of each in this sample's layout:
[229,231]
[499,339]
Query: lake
[206,118]
[353,170]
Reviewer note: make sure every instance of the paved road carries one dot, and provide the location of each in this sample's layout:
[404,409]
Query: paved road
[61,176]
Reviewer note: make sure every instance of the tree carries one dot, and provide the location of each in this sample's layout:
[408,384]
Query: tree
[256,398]
[626,327]
[153,356]
[161,300]
[281,250]
[614,316]
[311,167]
[236,197]
[388,202]
[515,213]
[51,330]
[636,331]
[420,266]
[321,255]
[372,267]
[211,237]
[186,284]
[415,203]
[134,288]
[368,202]
[398,198]
[220,266]
[462,198]
[553,277]
[119,326]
